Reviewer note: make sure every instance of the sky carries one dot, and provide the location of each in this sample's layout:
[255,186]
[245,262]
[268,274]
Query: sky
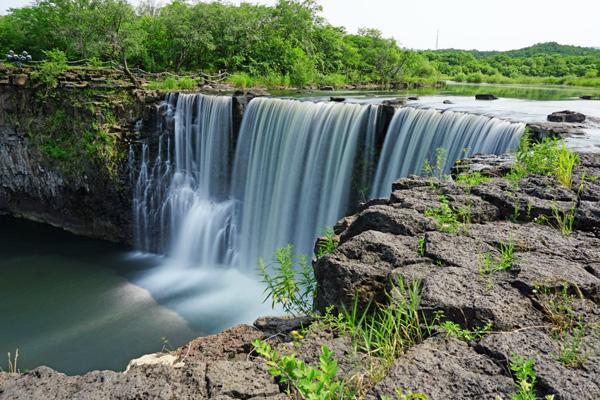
[462,24]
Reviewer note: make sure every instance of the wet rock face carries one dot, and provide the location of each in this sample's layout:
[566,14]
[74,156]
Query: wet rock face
[459,274]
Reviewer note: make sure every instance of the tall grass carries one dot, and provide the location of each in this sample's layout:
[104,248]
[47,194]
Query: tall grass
[548,157]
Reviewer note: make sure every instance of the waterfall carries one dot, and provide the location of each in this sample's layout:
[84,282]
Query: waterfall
[293,171]
[414,135]
[297,167]
[181,203]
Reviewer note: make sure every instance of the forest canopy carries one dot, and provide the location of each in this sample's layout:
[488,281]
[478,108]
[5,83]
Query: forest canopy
[289,43]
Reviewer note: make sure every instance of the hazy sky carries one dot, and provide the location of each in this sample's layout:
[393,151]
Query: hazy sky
[465,24]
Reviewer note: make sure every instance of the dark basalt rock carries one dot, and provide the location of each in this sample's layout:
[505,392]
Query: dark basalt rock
[485,96]
[380,246]
[413,98]
[337,99]
[566,116]
[445,369]
[399,102]
[553,377]
[447,102]
[585,97]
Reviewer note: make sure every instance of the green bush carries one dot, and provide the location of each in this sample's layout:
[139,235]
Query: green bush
[47,72]
[241,80]
[291,283]
[310,383]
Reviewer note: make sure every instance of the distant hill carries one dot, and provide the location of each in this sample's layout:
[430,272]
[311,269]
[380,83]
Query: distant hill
[543,48]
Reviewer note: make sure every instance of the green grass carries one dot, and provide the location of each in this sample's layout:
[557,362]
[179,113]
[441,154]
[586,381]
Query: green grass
[492,264]
[173,84]
[564,219]
[549,157]
[421,246]
[447,220]
[326,244]
[387,331]
[472,179]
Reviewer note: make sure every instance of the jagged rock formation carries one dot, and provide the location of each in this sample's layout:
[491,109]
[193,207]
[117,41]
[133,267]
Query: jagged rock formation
[380,244]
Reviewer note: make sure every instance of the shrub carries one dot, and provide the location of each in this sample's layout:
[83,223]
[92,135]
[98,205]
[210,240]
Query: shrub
[291,284]
[241,80]
[51,68]
[311,383]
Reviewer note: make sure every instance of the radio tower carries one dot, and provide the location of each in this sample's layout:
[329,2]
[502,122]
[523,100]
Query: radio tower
[437,39]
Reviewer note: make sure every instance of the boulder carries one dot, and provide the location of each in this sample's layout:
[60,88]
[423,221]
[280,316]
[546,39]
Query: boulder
[485,96]
[337,99]
[447,102]
[566,116]
[398,102]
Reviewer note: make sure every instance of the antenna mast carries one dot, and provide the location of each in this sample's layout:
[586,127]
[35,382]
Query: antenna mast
[437,39]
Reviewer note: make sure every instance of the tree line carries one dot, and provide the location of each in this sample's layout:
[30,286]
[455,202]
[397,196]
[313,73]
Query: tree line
[288,44]
[289,41]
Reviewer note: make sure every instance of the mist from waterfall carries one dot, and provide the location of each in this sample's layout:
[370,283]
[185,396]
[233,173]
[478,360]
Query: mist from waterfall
[415,134]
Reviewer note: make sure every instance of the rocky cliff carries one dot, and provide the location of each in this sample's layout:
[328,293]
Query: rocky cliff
[63,150]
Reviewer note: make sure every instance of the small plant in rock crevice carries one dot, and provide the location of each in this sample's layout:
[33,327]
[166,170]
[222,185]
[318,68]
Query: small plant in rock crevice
[326,244]
[13,362]
[400,395]
[454,330]
[448,220]
[571,353]
[471,179]
[421,246]
[525,377]
[491,264]
[564,219]
[558,306]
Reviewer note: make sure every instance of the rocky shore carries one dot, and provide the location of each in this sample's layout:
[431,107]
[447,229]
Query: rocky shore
[550,288]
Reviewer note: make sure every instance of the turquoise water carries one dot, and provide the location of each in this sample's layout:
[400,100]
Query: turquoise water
[69,302]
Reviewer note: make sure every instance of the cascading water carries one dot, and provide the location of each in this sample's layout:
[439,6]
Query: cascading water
[414,135]
[293,171]
[181,206]
[298,166]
